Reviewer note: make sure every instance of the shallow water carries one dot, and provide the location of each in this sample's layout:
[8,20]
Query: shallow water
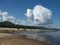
[47,36]
[55,37]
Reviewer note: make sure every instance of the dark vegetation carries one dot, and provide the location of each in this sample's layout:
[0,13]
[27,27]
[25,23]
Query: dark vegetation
[11,25]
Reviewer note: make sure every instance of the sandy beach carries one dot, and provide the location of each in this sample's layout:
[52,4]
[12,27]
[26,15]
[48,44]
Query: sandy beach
[13,39]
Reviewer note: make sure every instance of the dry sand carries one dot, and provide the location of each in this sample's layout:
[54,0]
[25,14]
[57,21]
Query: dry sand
[1,28]
[13,39]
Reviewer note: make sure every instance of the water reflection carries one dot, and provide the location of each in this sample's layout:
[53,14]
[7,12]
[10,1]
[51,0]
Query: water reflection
[47,36]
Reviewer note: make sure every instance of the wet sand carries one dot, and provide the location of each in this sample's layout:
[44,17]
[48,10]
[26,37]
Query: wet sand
[13,39]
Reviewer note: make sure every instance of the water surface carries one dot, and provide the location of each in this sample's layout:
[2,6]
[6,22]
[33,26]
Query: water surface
[47,36]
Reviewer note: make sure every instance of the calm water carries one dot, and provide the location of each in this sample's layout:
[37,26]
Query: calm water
[47,36]
[55,37]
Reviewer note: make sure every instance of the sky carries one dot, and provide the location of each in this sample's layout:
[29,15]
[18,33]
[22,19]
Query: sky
[18,8]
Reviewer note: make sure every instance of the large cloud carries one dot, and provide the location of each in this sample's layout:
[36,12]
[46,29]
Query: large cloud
[40,14]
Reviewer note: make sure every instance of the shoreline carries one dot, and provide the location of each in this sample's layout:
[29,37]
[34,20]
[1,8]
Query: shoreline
[14,39]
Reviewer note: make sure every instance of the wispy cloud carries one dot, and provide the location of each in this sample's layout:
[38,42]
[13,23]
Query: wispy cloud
[4,16]
[40,15]
[11,19]
[20,22]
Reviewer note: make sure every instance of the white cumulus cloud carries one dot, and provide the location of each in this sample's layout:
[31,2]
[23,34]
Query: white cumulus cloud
[4,16]
[29,13]
[41,15]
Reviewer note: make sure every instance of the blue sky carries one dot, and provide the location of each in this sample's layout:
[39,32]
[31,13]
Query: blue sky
[17,8]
